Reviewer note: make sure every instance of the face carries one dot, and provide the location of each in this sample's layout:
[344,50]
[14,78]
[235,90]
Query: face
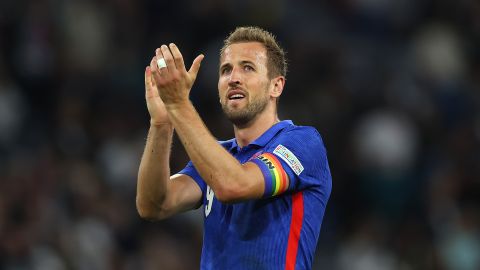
[244,86]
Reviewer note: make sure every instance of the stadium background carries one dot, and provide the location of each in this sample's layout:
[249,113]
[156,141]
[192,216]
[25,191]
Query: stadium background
[393,87]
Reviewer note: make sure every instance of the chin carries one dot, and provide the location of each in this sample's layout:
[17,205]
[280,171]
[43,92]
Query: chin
[239,117]
[243,114]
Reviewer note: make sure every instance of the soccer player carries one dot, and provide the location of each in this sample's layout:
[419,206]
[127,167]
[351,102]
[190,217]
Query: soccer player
[265,191]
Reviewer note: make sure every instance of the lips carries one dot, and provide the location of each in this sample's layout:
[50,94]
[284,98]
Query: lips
[235,94]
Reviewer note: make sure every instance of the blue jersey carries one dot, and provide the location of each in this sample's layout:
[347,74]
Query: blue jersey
[280,230]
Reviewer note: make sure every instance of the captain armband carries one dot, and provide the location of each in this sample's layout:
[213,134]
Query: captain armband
[276,179]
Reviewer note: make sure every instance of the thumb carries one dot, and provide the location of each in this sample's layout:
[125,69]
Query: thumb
[147,70]
[196,65]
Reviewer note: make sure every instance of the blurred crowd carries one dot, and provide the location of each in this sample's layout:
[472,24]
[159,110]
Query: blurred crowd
[392,86]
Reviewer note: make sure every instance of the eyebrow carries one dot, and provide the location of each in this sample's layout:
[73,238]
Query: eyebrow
[243,62]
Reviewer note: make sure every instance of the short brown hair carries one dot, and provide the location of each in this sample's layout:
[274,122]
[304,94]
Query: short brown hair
[276,61]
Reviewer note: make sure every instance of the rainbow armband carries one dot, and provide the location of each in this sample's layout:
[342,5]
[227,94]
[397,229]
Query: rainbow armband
[276,179]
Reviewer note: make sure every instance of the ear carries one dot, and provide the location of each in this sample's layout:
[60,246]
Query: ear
[277,85]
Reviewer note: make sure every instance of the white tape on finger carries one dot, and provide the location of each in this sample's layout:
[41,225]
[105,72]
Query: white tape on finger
[161,63]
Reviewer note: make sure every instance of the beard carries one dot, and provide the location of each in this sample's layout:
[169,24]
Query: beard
[241,117]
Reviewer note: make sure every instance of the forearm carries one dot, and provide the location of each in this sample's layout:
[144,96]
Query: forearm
[154,170]
[220,170]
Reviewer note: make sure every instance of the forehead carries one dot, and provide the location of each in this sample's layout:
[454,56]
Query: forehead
[251,51]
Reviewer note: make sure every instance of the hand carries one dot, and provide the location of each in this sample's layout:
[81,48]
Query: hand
[173,81]
[156,108]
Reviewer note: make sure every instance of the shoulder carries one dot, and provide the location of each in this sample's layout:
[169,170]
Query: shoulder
[300,147]
[301,136]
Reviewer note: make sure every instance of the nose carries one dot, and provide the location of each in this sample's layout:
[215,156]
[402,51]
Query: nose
[235,77]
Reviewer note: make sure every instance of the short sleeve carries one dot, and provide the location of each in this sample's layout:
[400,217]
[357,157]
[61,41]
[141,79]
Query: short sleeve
[193,173]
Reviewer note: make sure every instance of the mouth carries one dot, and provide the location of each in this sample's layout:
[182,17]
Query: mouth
[236,94]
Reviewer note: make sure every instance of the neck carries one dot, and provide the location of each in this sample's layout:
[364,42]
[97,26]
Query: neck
[255,128]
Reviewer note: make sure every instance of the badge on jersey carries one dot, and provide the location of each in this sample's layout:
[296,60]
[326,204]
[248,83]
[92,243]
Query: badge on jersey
[287,156]
[276,179]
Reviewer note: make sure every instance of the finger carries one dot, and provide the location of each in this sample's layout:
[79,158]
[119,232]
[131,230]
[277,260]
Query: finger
[156,70]
[153,66]
[177,56]
[148,78]
[167,55]
[156,73]
[150,85]
[160,63]
[146,74]
[159,55]
[152,80]
[148,82]
[193,71]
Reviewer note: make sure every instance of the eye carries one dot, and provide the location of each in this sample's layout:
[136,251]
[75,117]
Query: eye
[225,70]
[248,68]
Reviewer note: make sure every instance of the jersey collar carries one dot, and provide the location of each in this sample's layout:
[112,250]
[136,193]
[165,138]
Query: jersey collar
[267,136]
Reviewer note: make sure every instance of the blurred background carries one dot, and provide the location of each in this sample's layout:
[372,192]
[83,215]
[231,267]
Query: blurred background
[392,86]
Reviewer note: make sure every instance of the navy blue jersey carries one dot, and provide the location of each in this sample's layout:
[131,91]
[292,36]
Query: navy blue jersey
[280,230]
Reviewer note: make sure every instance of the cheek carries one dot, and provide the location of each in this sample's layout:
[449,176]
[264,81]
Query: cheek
[265,88]
[220,86]
[222,83]
[221,89]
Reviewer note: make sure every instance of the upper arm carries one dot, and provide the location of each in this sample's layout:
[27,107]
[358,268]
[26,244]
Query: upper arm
[273,174]
[303,155]
[288,164]
[261,177]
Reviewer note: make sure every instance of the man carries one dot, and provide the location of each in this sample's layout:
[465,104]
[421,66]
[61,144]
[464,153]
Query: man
[265,191]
